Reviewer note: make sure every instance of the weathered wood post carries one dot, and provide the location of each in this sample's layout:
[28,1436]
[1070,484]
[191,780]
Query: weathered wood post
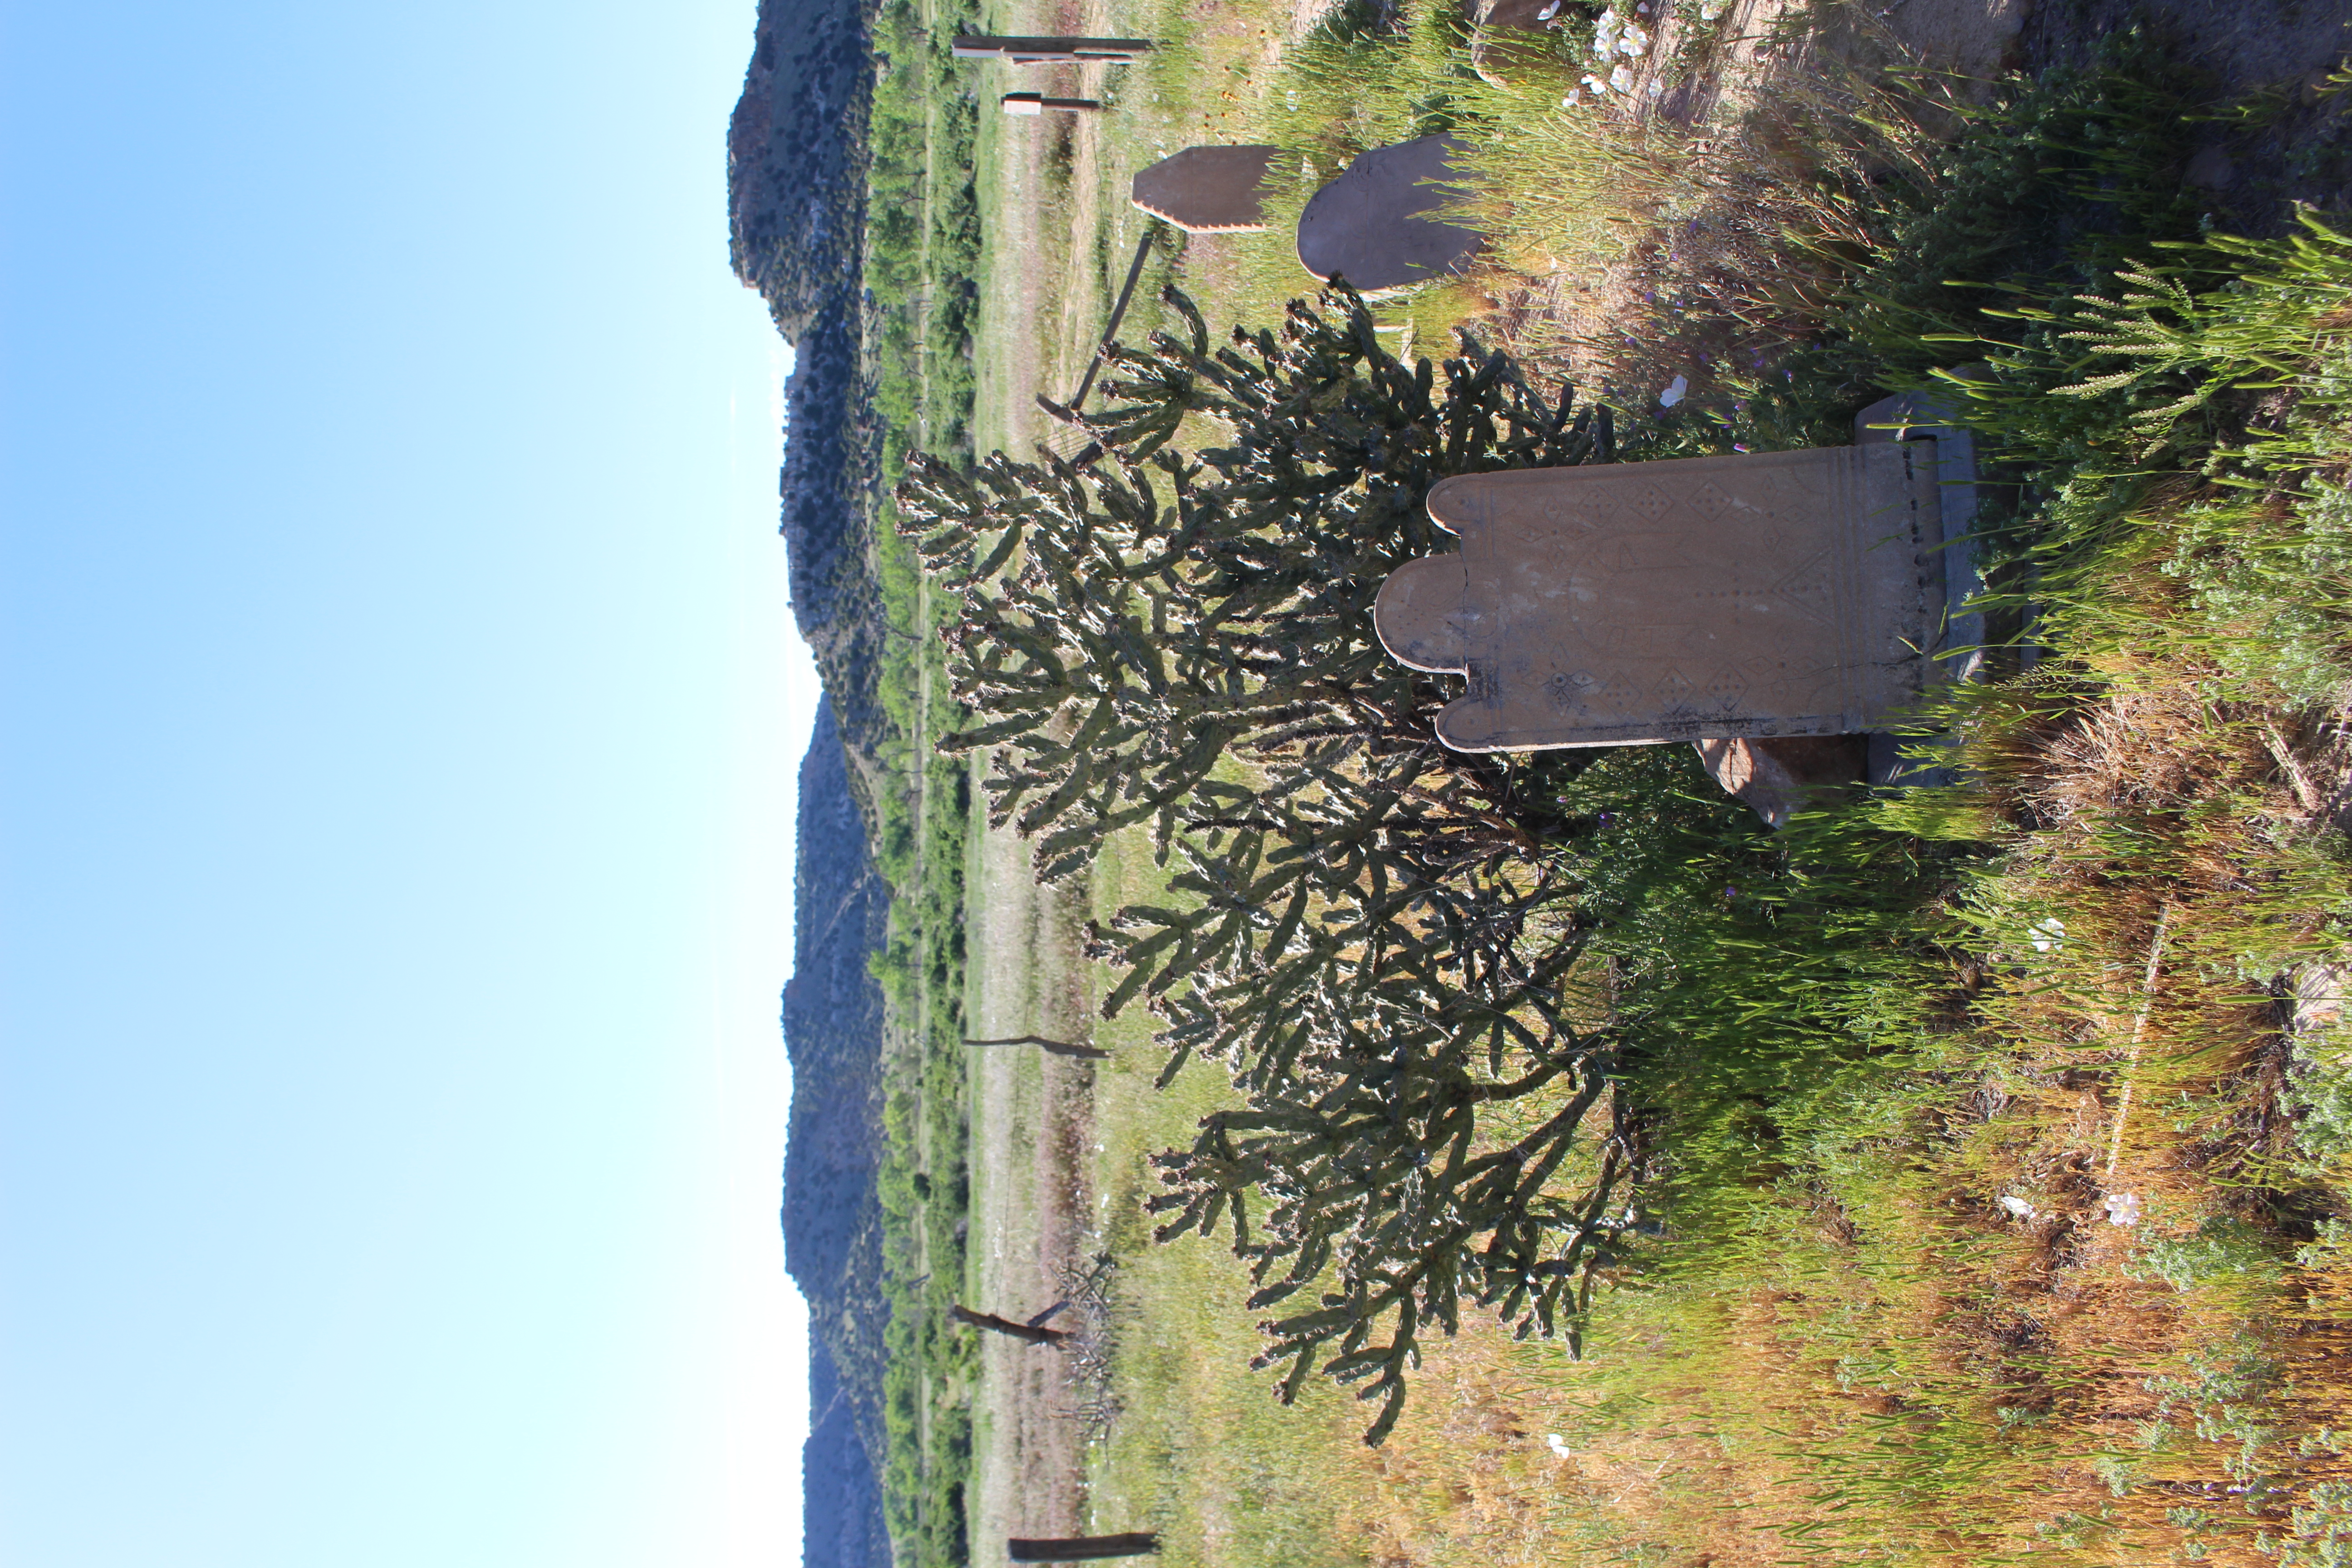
[1033,1331]
[1060,1048]
[1050,51]
[1037,103]
[1081,1548]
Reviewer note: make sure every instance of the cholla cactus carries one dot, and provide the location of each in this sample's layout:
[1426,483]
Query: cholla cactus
[1368,939]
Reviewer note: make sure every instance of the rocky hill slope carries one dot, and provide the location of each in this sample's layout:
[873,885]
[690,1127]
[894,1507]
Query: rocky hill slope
[796,198]
[832,1215]
[796,189]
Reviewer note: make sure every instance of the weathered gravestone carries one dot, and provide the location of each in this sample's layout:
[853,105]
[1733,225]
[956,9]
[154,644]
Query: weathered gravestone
[1207,189]
[1369,226]
[1775,593]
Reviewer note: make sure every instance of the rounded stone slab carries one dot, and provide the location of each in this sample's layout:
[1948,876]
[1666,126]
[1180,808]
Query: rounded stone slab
[1422,617]
[1770,593]
[1207,189]
[1367,228]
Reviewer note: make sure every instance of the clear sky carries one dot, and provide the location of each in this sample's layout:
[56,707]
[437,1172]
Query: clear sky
[401,711]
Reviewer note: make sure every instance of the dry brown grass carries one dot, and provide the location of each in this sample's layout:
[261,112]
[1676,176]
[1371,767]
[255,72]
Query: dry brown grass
[1750,212]
[1887,1363]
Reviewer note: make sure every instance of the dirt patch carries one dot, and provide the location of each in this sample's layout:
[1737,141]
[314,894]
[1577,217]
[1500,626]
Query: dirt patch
[1030,1126]
[2281,133]
[2295,143]
[1732,109]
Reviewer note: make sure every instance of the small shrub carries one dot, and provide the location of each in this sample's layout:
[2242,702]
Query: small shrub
[2318,1091]
[2222,1247]
[2321,1532]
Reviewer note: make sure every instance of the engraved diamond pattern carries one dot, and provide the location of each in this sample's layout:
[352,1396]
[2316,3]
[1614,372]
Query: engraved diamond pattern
[1616,692]
[1584,508]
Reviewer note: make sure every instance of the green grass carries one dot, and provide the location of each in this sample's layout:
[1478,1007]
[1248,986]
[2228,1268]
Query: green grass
[1832,1342]
[922,248]
[1202,1453]
[1863,1044]
[1552,187]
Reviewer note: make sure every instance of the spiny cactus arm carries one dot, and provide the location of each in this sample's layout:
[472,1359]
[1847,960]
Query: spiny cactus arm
[1300,1340]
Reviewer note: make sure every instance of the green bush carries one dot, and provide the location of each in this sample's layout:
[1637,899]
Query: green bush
[2222,1247]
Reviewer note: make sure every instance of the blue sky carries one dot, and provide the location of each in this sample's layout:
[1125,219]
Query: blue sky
[400,714]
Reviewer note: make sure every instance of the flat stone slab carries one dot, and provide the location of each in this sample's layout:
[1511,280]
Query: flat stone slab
[1699,598]
[1208,190]
[1366,226]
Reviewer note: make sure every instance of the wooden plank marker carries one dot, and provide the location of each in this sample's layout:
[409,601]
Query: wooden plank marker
[1081,1548]
[1050,51]
[1035,103]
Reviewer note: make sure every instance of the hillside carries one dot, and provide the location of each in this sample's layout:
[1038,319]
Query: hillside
[832,1215]
[796,207]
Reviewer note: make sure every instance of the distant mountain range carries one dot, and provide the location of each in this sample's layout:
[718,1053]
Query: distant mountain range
[797,188]
[796,183]
[832,1216]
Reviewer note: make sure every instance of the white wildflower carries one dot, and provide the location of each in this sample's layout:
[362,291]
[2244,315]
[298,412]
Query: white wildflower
[2047,936]
[1677,387]
[1634,41]
[1621,79]
[1559,1446]
[1548,12]
[1605,36]
[1710,9]
[1599,89]
[1575,95]
[2123,1208]
[1657,89]
[2017,1207]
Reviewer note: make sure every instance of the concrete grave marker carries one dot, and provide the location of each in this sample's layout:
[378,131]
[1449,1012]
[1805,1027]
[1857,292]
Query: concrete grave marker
[1207,189]
[1773,594]
[1368,226]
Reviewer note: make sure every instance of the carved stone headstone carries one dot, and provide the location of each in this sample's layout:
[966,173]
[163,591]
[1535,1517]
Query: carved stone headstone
[1775,593]
[1207,189]
[1369,226]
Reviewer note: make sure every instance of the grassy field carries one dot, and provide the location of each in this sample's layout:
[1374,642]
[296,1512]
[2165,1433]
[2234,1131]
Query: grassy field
[922,248]
[2000,1165]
